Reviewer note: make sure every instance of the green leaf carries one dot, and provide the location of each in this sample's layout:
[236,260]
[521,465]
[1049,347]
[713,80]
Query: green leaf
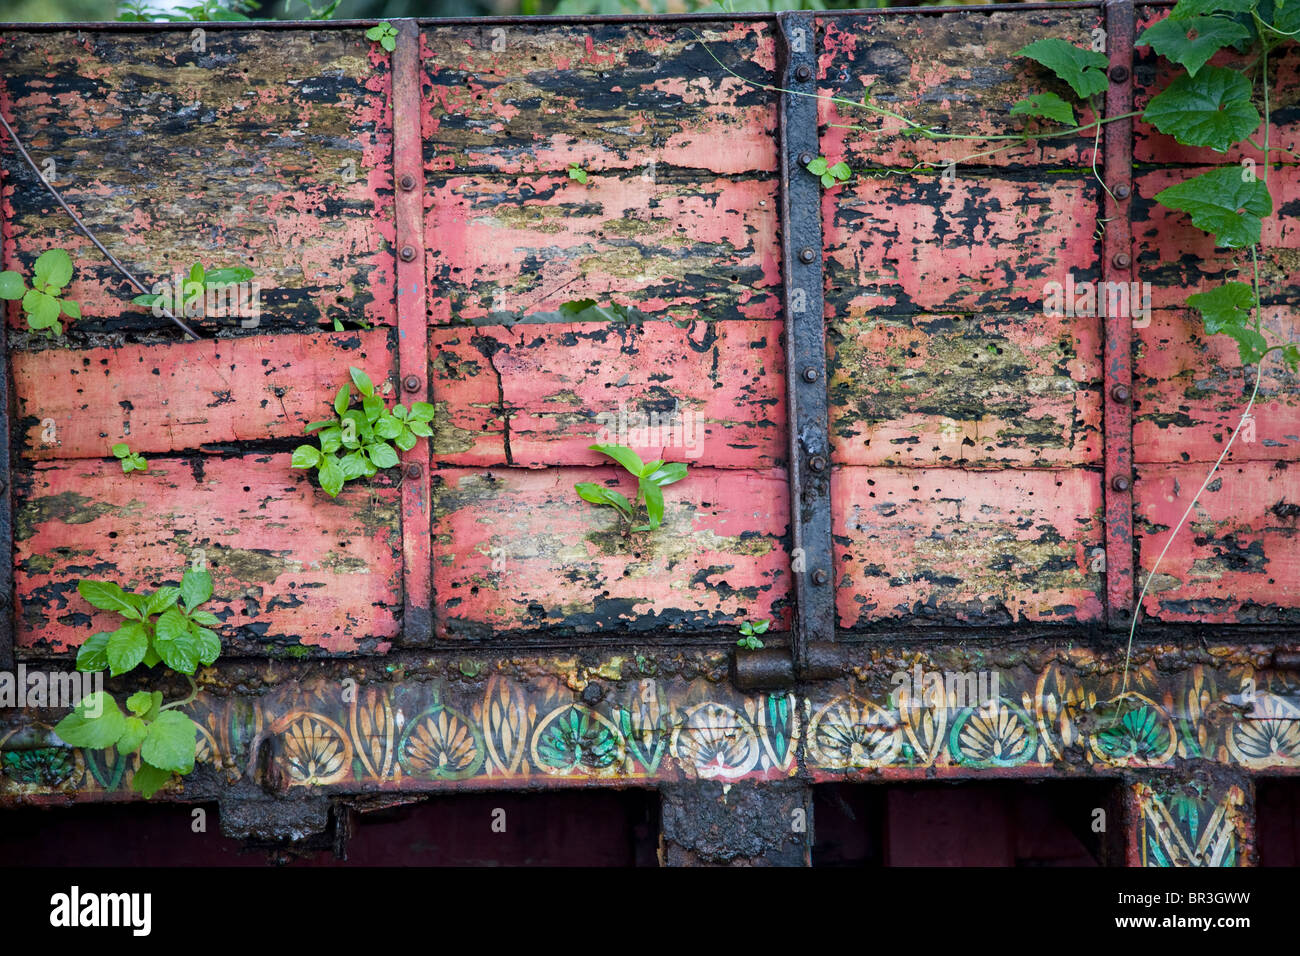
[762,626]
[1224,305]
[596,494]
[148,779]
[175,643]
[841,171]
[619,501]
[1192,41]
[362,381]
[223,276]
[162,599]
[1251,346]
[388,42]
[330,476]
[78,729]
[206,618]
[331,440]
[1291,355]
[1186,9]
[1213,109]
[171,742]
[374,33]
[389,427]
[1084,70]
[71,309]
[140,703]
[312,426]
[11,285]
[1048,106]
[578,173]
[817,166]
[372,406]
[132,737]
[196,587]
[305,456]
[406,439]
[353,465]
[422,412]
[151,657]
[827,180]
[121,450]
[1222,202]
[209,646]
[126,647]
[747,629]
[196,273]
[147,300]
[93,653]
[382,454]
[108,597]
[650,468]
[53,269]
[654,502]
[623,455]
[672,472]
[42,310]
[420,429]
[400,412]
[342,399]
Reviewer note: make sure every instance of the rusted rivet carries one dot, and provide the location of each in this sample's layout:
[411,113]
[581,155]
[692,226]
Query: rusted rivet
[1119,73]
[1119,483]
[811,374]
[592,693]
[407,182]
[820,576]
[817,463]
[1122,260]
[413,470]
[411,383]
[1121,191]
[803,74]
[805,158]
[1120,393]
[407,253]
[807,255]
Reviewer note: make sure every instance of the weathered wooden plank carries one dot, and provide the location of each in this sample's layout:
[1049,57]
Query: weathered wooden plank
[265,149]
[981,548]
[535,98]
[941,390]
[709,393]
[908,246]
[167,398]
[956,74]
[1192,391]
[517,550]
[1176,259]
[500,248]
[294,570]
[1237,559]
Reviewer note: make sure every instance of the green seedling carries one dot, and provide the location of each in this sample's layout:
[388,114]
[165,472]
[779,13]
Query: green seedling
[194,289]
[182,639]
[578,173]
[355,443]
[131,461]
[749,632]
[43,302]
[385,34]
[651,478]
[830,175]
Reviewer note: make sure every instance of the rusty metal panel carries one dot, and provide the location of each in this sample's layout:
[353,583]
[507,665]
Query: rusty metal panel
[535,396]
[964,547]
[293,570]
[514,550]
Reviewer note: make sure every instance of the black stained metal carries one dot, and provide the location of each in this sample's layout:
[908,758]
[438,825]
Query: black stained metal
[6,510]
[805,338]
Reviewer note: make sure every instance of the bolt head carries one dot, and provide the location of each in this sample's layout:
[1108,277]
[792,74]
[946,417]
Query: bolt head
[1122,191]
[407,253]
[1122,260]
[817,463]
[811,375]
[805,158]
[1120,483]
[413,469]
[803,74]
[411,383]
[807,255]
[407,182]
[592,693]
[1119,73]
[820,576]
[1120,393]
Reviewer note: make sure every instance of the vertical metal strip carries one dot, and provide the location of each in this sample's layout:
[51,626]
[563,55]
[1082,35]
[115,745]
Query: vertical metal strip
[8,608]
[805,337]
[412,328]
[1117,357]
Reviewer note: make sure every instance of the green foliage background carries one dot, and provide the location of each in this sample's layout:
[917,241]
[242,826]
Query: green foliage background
[55,11]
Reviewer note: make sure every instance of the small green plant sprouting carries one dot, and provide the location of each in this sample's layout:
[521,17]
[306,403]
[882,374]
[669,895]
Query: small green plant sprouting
[362,435]
[749,632]
[42,302]
[830,175]
[181,638]
[131,461]
[578,173]
[650,477]
[385,34]
[194,289]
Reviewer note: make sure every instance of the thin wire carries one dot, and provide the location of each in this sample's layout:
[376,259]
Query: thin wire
[85,229]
